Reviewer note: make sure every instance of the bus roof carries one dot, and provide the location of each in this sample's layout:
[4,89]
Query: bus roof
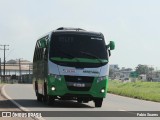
[68,30]
[63,30]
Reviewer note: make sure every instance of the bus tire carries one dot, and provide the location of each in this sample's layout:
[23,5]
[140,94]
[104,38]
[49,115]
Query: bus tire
[50,100]
[98,102]
[45,93]
[47,99]
[36,87]
[39,97]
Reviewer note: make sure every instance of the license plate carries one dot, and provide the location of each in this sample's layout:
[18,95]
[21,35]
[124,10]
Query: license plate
[79,85]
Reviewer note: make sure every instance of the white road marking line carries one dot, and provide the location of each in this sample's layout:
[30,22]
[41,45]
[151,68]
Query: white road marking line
[15,103]
[122,110]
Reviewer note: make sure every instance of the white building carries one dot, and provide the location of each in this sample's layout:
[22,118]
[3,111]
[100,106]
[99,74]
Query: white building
[123,74]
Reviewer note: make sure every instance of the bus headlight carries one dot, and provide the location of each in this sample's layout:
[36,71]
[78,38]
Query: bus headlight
[99,79]
[102,90]
[53,88]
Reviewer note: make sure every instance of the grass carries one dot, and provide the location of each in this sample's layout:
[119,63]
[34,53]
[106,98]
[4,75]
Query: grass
[1,83]
[141,90]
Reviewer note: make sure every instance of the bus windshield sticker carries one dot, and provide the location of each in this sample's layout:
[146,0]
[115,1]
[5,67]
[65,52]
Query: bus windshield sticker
[91,72]
[69,70]
[93,38]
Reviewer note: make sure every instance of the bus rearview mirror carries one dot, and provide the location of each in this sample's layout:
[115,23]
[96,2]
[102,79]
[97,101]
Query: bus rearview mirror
[112,45]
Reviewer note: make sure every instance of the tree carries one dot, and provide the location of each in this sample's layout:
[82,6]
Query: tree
[111,72]
[143,69]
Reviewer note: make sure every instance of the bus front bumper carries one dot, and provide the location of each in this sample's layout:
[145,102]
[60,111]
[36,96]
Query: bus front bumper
[59,88]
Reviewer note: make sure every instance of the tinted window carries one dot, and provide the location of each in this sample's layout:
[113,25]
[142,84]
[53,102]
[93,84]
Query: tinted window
[79,46]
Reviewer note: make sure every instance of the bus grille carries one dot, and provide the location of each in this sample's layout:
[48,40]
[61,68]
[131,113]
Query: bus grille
[79,83]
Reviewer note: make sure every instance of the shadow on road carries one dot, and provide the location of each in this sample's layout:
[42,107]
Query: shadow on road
[35,104]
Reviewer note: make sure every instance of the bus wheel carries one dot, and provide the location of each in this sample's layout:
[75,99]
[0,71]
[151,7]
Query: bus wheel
[98,102]
[49,100]
[39,97]
[45,96]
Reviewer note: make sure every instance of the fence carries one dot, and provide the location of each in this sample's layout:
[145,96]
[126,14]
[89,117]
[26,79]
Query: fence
[25,78]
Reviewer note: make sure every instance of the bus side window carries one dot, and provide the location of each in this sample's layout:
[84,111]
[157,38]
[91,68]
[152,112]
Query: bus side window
[41,53]
[34,58]
[46,54]
[35,53]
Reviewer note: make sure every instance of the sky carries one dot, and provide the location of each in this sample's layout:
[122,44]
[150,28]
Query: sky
[134,26]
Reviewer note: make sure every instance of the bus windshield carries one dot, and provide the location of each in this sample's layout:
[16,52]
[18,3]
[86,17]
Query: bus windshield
[78,50]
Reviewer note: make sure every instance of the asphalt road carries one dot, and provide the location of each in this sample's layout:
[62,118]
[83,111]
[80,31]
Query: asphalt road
[24,95]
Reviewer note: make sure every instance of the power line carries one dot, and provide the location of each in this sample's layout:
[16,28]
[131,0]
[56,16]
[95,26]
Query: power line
[4,49]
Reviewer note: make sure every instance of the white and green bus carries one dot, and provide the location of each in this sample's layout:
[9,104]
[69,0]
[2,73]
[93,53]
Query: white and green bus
[71,64]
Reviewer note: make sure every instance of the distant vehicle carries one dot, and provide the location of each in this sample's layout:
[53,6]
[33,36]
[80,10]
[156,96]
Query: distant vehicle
[71,64]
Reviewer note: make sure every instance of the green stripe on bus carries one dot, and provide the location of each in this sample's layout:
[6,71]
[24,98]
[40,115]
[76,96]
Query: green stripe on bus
[79,60]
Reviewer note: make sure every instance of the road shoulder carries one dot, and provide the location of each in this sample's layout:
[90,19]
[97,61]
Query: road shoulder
[7,105]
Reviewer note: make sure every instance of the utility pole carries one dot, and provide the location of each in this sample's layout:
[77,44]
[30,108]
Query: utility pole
[4,59]
[0,72]
[20,70]
[29,70]
[0,68]
[152,72]
[29,78]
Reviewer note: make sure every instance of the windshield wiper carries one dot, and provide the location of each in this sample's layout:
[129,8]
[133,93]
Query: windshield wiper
[92,55]
[78,63]
[67,54]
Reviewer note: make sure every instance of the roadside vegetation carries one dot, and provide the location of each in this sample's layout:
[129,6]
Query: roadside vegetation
[141,90]
[2,82]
